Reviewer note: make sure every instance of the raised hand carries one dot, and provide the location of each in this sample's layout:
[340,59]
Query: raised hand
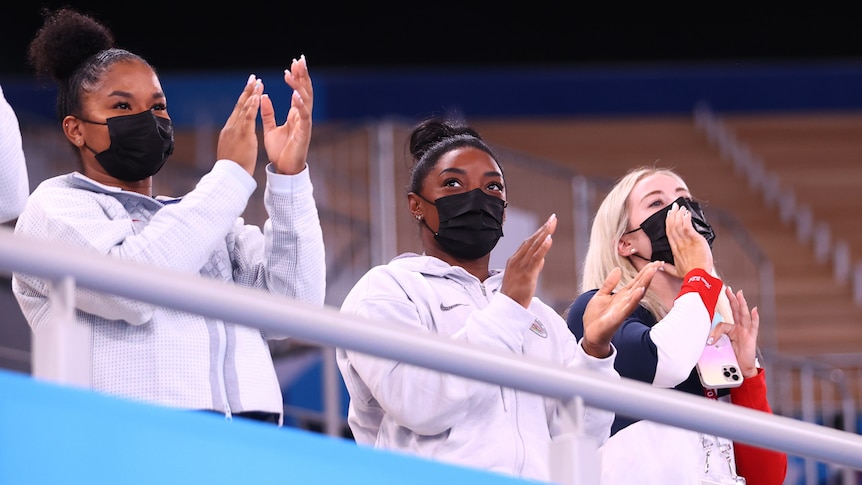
[287,145]
[742,334]
[525,264]
[690,249]
[238,139]
[607,309]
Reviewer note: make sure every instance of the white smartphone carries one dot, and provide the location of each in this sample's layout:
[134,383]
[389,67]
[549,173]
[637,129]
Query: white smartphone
[718,367]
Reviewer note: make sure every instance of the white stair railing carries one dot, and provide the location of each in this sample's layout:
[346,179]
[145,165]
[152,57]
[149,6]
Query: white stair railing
[791,211]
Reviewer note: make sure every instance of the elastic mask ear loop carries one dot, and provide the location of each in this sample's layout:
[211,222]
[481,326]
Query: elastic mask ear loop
[85,120]
[635,254]
[641,257]
[422,220]
[94,152]
[423,198]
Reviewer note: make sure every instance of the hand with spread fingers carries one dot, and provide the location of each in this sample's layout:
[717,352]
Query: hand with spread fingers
[607,309]
[743,333]
[237,140]
[287,145]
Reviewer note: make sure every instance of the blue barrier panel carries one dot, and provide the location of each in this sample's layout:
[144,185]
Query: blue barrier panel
[54,434]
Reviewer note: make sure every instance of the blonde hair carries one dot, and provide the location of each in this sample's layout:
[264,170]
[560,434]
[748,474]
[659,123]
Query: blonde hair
[609,224]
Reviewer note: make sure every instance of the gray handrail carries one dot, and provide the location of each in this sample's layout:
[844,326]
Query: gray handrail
[327,326]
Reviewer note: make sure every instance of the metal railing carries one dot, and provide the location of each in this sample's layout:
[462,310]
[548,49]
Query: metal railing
[358,165]
[326,326]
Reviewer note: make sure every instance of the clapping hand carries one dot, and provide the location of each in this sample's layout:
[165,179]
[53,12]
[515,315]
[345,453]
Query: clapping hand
[525,264]
[607,310]
[287,145]
[237,140]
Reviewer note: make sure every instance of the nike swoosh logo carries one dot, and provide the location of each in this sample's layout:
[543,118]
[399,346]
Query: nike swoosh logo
[446,308]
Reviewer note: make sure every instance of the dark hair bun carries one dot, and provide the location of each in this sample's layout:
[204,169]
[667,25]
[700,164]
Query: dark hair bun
[66,39]
[434,130]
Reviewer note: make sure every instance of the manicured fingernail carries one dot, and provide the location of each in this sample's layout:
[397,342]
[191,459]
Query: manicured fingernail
[709,341]
[250,79]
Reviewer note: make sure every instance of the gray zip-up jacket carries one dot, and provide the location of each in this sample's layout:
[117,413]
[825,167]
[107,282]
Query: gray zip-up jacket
[403,407]
[160,355]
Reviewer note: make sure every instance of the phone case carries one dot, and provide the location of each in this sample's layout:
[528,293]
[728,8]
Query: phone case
[717,366]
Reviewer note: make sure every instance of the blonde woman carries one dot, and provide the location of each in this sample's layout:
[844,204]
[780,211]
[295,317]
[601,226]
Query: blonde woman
[649,215]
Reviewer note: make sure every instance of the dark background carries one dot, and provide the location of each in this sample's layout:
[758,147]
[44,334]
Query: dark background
[259,35]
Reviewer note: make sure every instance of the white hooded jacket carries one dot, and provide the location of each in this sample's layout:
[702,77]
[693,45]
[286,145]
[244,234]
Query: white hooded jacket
[408,408]
[144,352]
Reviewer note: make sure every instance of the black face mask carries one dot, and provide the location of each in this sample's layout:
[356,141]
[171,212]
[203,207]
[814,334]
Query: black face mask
[655,228]
[140,145]
[471,223]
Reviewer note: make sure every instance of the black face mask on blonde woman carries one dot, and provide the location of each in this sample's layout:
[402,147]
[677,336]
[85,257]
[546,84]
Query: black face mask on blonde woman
[655,228]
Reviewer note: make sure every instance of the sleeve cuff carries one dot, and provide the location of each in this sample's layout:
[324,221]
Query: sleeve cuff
[282,184]
[237,172]
[705,285]
[752,392]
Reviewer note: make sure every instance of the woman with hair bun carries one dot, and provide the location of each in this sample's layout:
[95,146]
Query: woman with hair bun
[114,114]
[457,195]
